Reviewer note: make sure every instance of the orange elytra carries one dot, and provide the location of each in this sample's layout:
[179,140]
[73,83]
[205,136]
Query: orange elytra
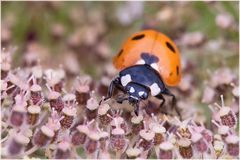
[156,43]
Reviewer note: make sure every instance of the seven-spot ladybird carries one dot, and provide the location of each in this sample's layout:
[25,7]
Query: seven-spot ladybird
[148,60]
[153,43]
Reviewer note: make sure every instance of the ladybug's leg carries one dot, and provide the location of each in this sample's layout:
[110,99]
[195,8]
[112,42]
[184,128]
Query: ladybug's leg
[114,84]
[160,96]
[167,92]
[136,109]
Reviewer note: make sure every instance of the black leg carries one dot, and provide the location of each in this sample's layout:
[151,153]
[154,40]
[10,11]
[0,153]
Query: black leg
[160,96]
[114,84]
[119,86]
[136,109]
[167,92]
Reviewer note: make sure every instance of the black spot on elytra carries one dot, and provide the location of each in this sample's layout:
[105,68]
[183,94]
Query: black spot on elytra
[137,37]
[120,52]
[170,47]
[177,70]
[170,74]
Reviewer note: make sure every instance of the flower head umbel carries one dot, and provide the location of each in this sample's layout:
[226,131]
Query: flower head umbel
[19,110]
[40,113]
[82,87]
[55,100]
[225,115]
[92,107]
[69,111]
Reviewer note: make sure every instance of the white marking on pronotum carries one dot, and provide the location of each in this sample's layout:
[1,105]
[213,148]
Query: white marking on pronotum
[126,79]
[132,90]
[141,61]
[140,93]
[155,90]
[155,66]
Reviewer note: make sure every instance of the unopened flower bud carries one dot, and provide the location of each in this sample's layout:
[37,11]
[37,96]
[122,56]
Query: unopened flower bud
[199,142]
[117,139]
[33,114]
[133,153]
[82,97]
[103,140]
[79,137]
[91,108]
[56,101]
[63,150]
[17,144]
[92,143]
[83,89]
[232,145]
[227,117]
[121,123]
[36,94]
[18,115]
[166,150]
[103,112]
[69,114]
[147,137]
[43,136]
[137,124]
[185,148]
[159,131]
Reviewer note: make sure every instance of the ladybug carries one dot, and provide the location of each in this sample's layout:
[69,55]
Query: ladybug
[148,61]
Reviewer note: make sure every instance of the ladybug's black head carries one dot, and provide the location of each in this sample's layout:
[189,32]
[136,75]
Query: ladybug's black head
[136,92]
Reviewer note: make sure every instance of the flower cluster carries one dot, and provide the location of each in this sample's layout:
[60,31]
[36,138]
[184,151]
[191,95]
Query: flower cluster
[38,112]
